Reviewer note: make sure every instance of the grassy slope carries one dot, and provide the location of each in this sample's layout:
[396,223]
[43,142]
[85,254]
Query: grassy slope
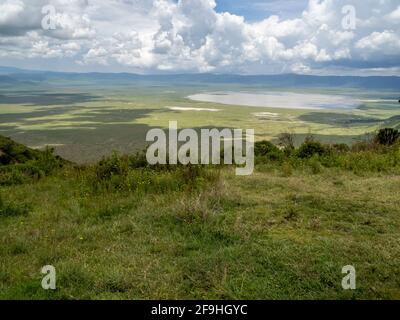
[274,234]
[12,152]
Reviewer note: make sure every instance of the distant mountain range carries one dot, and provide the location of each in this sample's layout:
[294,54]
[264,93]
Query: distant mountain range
[13,76]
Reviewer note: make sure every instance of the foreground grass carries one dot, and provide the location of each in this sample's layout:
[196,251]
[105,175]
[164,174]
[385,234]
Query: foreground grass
[272,235]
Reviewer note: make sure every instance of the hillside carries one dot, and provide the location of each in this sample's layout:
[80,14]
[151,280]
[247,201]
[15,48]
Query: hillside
[14,75]
[12,152]
[19,163]
[123,230]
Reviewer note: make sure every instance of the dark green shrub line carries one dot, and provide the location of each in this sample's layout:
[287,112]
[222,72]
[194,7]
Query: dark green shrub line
[131,173]
[19,164]
[380,154]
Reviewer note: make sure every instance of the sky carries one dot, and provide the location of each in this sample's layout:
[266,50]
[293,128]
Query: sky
[322,37]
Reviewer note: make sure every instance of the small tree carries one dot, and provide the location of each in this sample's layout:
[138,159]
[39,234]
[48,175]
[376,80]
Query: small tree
[286,140]
[267,149]
[262,148]
[387,136]
[310,148]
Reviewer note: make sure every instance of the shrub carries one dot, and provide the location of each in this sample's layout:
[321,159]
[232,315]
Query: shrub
[113,166]
[47,162]
[286,140]
[310,148]
[387,136]
[268,150]
[19,173]
[138,160]
[11,177]
[262,148]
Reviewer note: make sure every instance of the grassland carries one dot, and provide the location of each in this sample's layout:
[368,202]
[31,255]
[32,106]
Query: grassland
[85,122]
[119,229]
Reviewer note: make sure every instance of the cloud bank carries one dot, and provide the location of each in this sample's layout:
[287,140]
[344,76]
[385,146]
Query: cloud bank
[154,36]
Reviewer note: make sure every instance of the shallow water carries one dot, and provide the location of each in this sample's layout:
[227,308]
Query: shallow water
[286,100]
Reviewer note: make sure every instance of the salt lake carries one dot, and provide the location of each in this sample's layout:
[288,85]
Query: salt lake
[284,100]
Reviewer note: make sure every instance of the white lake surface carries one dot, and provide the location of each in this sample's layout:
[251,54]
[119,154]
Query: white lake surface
[283,100]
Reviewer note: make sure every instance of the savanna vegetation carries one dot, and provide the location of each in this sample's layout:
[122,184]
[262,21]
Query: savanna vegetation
[122,229]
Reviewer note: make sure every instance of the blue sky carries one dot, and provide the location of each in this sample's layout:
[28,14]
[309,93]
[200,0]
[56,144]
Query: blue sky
[254,10]
[343,37]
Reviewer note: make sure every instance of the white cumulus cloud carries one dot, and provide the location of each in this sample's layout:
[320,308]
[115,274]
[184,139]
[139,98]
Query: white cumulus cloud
[192,36]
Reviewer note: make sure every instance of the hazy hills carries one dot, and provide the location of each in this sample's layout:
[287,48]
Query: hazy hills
[13,76]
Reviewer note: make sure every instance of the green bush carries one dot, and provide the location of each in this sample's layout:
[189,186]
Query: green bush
[113,166]
[12,177]
[309,149]
[138,160]
[387,136]
[47,162]
[268,150]
[20,173]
